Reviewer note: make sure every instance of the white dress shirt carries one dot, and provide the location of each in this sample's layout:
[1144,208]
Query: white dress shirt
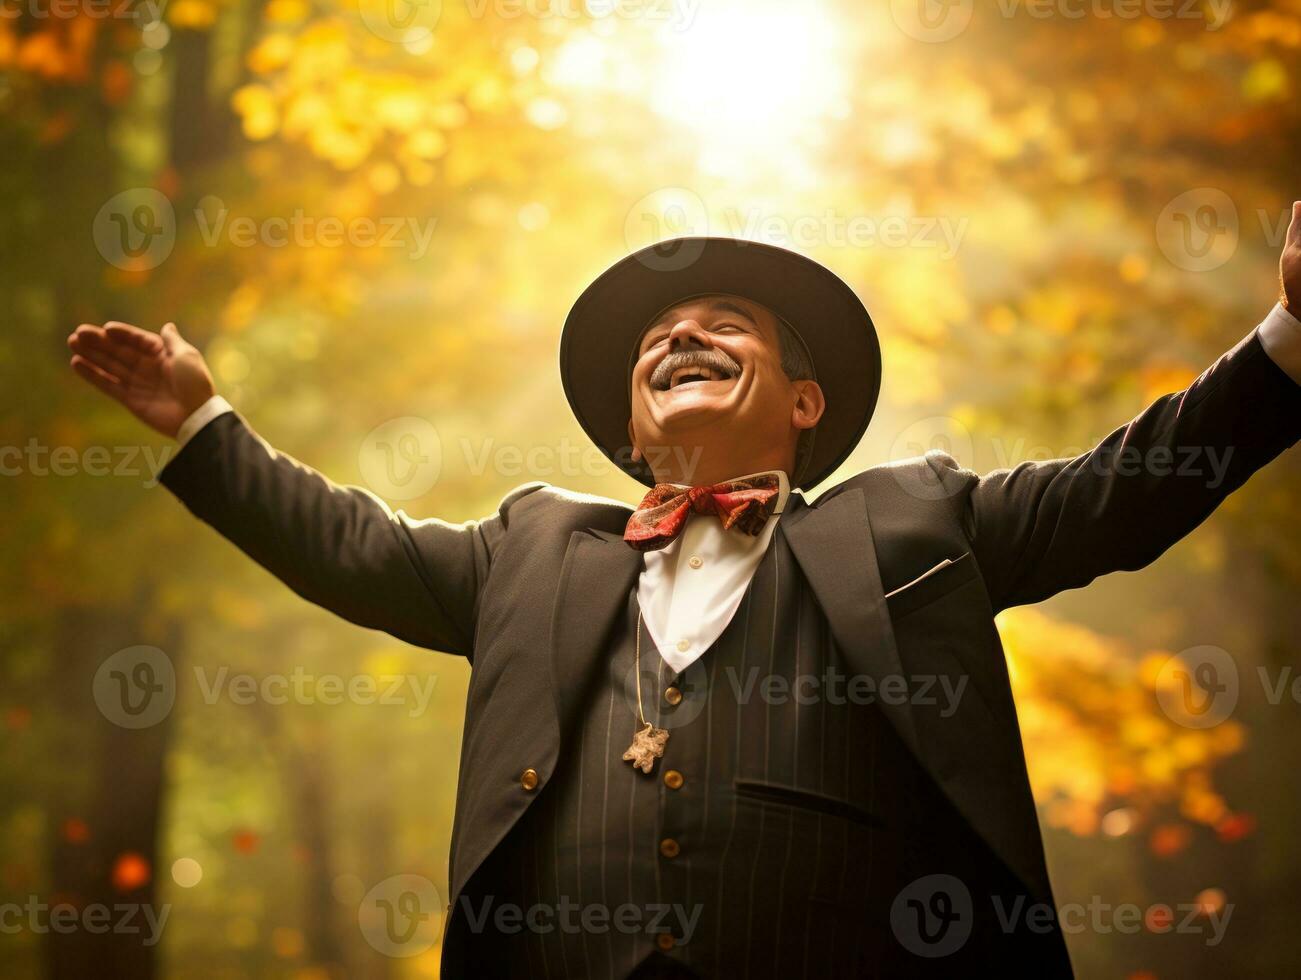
[689,590]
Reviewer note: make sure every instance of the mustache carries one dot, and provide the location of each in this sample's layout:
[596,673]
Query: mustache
[715,360]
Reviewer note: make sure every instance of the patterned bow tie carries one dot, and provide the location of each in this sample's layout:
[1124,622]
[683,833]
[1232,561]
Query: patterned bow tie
[745,504]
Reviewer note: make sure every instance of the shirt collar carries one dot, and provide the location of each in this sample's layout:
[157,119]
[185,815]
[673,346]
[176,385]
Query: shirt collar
[783,483]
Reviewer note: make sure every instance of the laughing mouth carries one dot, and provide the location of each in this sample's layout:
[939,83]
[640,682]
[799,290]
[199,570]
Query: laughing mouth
[694,375]
[697,369]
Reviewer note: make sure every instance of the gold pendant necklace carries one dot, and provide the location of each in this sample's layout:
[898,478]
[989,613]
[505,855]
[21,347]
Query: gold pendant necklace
[647,742]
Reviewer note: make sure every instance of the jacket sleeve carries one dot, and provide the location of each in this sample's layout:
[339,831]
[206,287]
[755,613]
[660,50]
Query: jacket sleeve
[1042,527]
[340,547]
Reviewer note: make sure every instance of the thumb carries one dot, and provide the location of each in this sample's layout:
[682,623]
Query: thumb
[171,338]
[1294,229]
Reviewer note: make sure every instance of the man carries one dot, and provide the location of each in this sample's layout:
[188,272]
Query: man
[695,740]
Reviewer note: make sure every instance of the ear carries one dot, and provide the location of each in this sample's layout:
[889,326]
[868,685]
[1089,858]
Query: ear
[632,441]
[810,403]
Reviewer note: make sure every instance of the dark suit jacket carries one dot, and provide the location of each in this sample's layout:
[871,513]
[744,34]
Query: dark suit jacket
[528,594]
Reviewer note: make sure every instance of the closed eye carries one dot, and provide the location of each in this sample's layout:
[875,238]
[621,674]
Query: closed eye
[652,344]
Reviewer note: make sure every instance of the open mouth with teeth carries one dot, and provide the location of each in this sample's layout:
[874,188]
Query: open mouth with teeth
[693,376]
[696,375]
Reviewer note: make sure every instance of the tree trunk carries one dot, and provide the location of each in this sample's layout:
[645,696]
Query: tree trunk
[104,833]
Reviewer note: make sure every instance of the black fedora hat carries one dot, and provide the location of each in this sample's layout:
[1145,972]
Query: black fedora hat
[597,343]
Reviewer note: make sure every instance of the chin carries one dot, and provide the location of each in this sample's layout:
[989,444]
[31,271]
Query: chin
[693,411]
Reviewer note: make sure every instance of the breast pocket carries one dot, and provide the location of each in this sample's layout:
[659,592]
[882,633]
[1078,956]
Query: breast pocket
[800,799]
[932,584]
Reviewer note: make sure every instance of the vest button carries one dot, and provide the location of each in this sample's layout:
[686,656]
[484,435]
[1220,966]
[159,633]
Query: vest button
[529,779]
[673,696]
[669,847]
[673,779]
[665,941]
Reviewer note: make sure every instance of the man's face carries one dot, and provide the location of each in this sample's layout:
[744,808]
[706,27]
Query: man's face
[710,368]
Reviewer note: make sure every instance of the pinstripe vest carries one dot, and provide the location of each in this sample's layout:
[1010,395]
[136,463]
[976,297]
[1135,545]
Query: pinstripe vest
[798,816]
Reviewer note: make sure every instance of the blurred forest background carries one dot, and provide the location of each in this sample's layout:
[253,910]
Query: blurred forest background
[1056,212]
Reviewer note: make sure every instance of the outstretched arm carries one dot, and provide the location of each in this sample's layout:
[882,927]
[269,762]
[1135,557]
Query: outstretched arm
[1042,527]
[339,547]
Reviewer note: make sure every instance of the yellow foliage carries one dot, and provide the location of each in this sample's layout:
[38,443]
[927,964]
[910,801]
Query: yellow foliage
[1095,735]
[192,14]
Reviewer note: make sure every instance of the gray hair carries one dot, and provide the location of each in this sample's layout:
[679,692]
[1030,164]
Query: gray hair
[797,366]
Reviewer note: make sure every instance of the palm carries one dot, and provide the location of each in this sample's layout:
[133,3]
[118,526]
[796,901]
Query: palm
[160,378]
[1290,265]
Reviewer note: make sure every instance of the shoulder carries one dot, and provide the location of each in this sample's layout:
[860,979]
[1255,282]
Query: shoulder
[538,501]
[919,495]
[928,479]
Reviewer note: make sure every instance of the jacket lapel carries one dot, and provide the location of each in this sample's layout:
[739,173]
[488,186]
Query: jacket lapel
[834,547]
[840,565]
[598,572]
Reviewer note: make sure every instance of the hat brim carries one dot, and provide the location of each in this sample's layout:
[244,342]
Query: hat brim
[596,344]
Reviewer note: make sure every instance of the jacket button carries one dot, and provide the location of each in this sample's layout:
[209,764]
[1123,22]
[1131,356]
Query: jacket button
[664,941]
[673,696]
[669,847]
[529,779]
[673,779]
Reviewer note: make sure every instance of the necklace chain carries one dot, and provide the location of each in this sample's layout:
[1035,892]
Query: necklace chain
[641,715]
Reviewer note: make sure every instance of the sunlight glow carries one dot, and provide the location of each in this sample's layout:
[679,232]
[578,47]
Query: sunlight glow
[753,79]
[752,86]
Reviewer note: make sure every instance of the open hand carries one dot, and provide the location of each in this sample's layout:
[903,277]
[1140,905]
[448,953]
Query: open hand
[1289,266]
[161,378]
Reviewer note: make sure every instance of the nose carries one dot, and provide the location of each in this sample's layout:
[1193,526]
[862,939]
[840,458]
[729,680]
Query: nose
[688,333]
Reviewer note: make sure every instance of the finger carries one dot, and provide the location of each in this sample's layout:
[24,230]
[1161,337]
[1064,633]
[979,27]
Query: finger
[103,353]
[83,330]
[102,380]
[1294,229]
[123,345]
[141,340]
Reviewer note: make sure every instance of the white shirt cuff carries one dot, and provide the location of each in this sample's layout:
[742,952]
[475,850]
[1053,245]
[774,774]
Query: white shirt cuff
[1280,335]
[205,413]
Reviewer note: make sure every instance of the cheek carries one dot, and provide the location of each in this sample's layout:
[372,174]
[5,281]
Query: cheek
[772,393]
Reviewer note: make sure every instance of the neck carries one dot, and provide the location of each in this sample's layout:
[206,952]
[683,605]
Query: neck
[699,466]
